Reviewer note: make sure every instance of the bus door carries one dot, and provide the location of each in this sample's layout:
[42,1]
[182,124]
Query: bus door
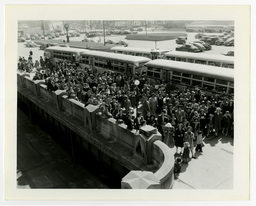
[130,69]
[166,75]
[91,62]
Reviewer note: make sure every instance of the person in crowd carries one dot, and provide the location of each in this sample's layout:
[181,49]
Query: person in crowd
[145,106]
[153,104]
[138,121]
[190,137]
[226,123]
[177,166]
[161,121]
[199,142]
[186,152]
[179,137]
[217,120]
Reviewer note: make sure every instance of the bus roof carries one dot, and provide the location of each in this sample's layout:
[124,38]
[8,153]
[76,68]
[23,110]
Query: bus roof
[114,56]
[135,49]
[205,57]
[198,69]
[65,49]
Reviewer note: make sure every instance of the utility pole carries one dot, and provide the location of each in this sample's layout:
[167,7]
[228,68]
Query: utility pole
[104,31]
[42,27]
[146,27]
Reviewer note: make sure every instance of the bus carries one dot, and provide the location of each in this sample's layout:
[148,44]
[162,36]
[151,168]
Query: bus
[63,53]
[208,59]
[107,61]
[149,53]
[208,78]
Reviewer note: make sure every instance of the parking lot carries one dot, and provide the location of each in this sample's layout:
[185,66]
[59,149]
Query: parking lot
[169,44]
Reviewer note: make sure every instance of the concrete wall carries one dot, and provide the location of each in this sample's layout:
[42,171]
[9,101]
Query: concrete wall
[110,129]
[162,154]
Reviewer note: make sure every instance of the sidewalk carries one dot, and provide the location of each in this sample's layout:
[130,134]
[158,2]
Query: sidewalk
[213,169]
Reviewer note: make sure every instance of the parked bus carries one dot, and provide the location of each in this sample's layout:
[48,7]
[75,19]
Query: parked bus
[208,78]
[149,53]
[208,59]
[63,53]
[103,61]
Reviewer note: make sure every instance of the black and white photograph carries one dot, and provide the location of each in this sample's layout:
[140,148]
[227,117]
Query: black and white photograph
[100,100]
[119,104]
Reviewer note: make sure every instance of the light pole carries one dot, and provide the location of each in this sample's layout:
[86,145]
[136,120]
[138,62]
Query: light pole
[66,27]
[136,83]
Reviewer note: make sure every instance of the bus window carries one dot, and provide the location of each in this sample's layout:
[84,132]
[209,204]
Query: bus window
[208,86]
[150,68]
[208,79]
[196,83]
[231,91]
[179,59]
[150,74]
[157,70]
[197,77]
[157,75]
[219,81]
[221,89]
[186,81]
[171,58]
[176,73]
[225,65]
[186,75]
[191,60]
[176,79]
[200,61]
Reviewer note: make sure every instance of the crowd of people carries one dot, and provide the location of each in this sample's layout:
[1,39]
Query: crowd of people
[191,113]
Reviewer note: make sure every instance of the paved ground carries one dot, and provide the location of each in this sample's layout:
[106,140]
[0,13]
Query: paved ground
[213,169]
[42,163]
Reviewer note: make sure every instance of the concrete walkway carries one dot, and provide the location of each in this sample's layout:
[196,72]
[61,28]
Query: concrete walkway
[213,169]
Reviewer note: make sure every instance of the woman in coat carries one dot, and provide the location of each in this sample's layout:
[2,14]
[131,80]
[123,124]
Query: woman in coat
[179,137]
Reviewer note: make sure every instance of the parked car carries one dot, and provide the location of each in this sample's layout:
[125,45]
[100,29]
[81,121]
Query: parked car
[199,46]
[199,36]
[21,39]
[229,42]
[219,42]
[45,45]
[85,40]
[31,44]
[110,42]
[188,48]
[230,53]
[122,43]
[206,45]
[181,40]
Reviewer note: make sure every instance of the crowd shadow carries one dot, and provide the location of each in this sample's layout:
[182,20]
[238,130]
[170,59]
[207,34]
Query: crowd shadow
[212,140]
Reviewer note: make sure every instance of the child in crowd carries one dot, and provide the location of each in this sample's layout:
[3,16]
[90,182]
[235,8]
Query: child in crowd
[199,142]
[185,154]
[177,166]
